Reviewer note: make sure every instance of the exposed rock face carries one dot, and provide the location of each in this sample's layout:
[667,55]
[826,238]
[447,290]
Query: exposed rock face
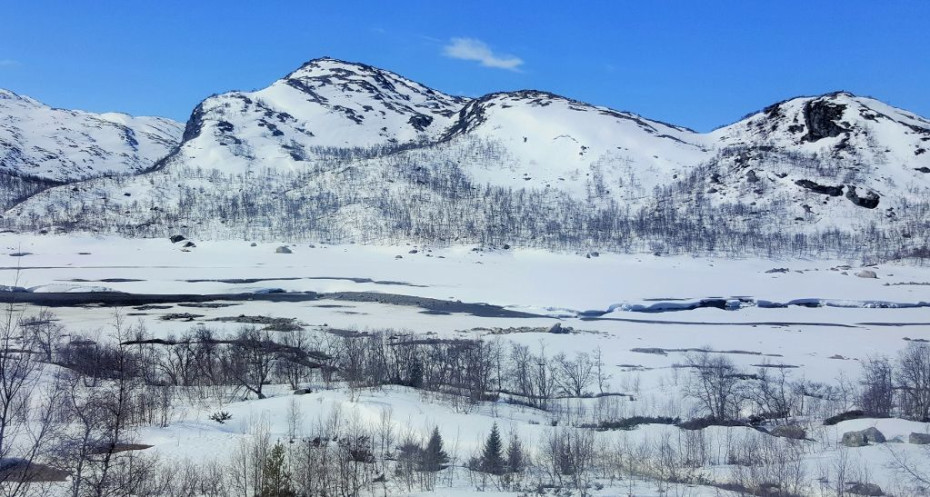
[420,121]
[869,201]
[833,191]
[194,124]
[821,117]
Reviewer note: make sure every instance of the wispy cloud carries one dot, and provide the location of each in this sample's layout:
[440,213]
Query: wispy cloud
[8,62]
[479,51]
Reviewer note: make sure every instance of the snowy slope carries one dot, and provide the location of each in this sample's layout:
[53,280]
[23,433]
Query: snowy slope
[643,353]
[812,164]
[536,140]
[524,139]
[550,141]
[834,157]
[861,131]
[325,104]
[65,145]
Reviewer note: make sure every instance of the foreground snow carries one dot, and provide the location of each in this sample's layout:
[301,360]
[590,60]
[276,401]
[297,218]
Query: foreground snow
[642,350]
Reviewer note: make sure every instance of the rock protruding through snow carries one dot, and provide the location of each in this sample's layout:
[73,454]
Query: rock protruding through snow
[862,438]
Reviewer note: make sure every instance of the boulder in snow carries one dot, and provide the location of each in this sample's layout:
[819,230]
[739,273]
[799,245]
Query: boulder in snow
[867,273]
[793,432]
[854,439]
[863,437]
[558,329]
[919,438]
[283,250]
[869,489]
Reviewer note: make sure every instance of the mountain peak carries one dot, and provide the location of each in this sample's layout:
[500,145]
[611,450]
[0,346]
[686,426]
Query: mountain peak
[839,93]
[325,103]
[12,95]
[322,65]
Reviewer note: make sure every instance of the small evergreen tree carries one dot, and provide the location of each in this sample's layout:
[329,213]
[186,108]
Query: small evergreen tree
[434,457]
[415,374]
[516,459]
[492,458]
[276,479]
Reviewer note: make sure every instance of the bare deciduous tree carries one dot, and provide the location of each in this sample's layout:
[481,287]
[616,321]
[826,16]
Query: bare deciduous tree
[877,398]
[715,383]
[913,377]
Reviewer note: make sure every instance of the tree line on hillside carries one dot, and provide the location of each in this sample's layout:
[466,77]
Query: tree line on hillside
[16,188]
[415,196]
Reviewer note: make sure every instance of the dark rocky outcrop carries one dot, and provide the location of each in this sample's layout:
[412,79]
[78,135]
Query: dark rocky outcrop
[194,124]
[420,121]
[820,117]
[558,329]
[869,201]
[833,191]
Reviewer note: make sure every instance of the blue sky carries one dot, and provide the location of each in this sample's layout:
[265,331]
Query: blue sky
[700,64]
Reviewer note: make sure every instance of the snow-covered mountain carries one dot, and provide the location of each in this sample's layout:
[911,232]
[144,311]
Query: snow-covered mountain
[518,139]
[549,141]
[324,105]
[836,159]
[346,151]
[61,145]
[840,125]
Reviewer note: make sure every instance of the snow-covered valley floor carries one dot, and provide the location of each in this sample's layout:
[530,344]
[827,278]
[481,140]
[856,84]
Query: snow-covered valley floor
[817,321]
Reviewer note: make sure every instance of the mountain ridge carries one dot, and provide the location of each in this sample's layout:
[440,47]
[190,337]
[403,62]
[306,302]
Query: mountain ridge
[62,145]
[365,154]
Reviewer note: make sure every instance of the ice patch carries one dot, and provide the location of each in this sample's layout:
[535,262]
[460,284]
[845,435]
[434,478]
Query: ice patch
[68,288]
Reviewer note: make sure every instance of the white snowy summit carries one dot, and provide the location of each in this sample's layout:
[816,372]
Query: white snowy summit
[39,141]
[326,104]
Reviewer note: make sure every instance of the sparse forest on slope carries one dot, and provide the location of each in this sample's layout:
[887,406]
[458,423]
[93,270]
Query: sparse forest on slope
[346,152]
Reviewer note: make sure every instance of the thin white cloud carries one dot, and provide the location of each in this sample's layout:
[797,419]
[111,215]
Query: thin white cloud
[8,62]
[477,50]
